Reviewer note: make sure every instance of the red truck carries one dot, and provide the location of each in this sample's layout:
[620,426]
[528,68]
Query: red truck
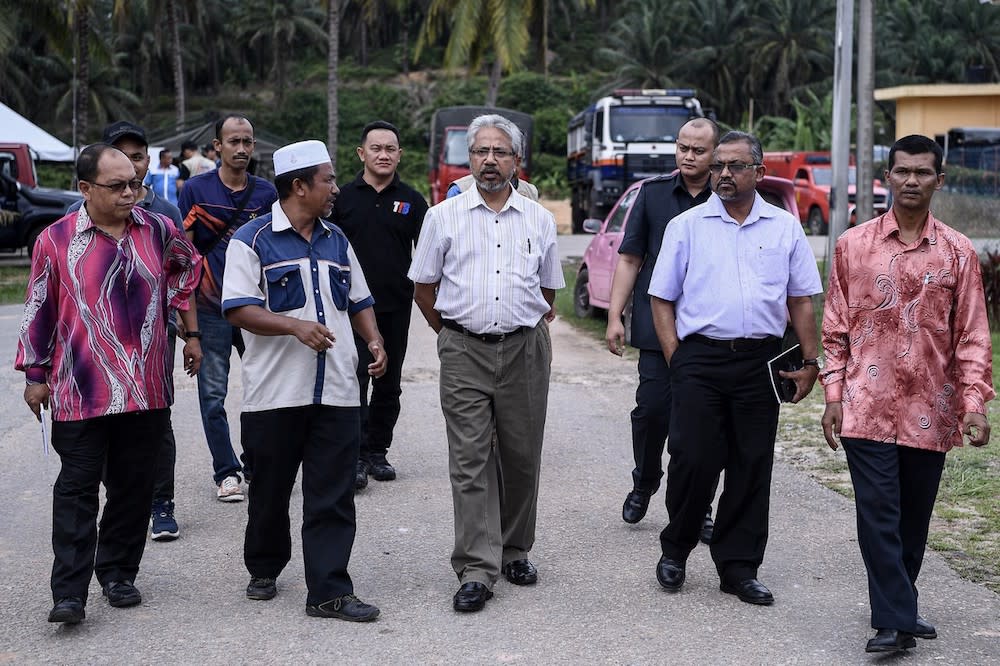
[449,151]
[813,177]
[26,208]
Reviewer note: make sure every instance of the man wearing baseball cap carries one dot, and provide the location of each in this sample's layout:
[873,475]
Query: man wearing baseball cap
[131,140]
[295,287]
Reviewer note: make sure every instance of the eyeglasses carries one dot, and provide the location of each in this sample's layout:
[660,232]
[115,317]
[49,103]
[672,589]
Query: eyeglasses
[498,153]
[117,188]
[735,168]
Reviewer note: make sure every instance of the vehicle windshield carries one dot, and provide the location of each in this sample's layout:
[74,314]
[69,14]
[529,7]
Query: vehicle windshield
[824,176]
[646,123]
[456,149]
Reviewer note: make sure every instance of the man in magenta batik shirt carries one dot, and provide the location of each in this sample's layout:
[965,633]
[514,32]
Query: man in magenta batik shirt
[93,347]
[908,372]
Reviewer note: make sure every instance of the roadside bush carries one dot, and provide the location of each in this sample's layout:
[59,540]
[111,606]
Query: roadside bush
[548,174]
[550,130]
[528,92]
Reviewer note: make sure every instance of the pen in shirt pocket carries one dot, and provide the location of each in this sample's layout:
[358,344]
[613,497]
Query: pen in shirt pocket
[529,246]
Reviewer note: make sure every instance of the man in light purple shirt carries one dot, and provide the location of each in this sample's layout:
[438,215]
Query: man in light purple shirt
[485,273]
[730,275]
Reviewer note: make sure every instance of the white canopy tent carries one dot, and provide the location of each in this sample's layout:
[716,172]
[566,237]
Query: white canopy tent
[15,128]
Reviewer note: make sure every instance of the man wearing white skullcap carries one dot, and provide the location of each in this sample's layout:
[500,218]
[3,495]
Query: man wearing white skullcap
[294,285]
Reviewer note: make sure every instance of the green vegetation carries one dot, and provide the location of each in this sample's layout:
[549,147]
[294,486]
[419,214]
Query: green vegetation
[171,64]
[13,284]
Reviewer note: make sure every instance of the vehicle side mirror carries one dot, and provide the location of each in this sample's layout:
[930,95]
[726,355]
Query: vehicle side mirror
[592,225]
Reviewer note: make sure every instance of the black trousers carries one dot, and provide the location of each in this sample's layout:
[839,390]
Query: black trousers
[723,416]
[122,448]
[163,485]
[380,413]
[650,420]
[894,492]
[324,440]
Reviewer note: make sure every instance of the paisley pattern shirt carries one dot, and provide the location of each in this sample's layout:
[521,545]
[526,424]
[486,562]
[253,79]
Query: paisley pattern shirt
[905,335]
[95,317]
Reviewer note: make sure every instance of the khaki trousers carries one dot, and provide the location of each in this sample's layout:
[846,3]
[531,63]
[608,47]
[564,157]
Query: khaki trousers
[497,388]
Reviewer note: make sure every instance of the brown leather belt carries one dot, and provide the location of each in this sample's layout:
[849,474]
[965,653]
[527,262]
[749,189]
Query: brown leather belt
[491,338]
[734,345]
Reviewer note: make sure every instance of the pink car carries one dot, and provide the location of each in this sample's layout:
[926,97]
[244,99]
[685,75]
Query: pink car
[593,279]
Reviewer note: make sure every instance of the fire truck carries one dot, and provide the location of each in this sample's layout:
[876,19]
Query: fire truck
[620,139]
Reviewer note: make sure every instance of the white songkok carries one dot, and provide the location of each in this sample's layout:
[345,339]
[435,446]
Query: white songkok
[300,155]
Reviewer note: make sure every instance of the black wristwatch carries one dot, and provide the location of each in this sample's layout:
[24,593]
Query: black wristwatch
[811,361]
[192,334]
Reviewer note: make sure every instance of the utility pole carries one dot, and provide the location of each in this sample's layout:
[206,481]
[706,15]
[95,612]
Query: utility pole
[844,48]
[865,207]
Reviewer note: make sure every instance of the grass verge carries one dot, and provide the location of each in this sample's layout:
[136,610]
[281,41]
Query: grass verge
[13,282]
[965,528]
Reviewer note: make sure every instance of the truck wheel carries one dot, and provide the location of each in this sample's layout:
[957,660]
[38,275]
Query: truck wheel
[581,297]
[815,222]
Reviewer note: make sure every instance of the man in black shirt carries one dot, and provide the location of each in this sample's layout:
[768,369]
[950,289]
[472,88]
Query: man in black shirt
[659,200]
[381,217]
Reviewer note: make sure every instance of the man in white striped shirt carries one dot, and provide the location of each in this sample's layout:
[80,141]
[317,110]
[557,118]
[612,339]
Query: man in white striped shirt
[485,271]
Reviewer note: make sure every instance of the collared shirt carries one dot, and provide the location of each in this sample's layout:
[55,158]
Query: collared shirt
[269,264]
[731,280]
[491,266]
[164,181]
[206,205]
[383,228]
[94,325]
[659,200]
[151,202]
[905,335]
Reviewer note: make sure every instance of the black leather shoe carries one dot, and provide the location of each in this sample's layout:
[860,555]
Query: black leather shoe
[521,572]
[925,629]
[670,574]
[890,640]
[380,469]
[750,591]
[707,528]
[361,476]
[122,593]
[472,597]
[347,607]
[68,610]
[635,507]
[262,589]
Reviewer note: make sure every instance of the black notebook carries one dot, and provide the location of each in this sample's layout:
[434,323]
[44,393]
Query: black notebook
[789,361]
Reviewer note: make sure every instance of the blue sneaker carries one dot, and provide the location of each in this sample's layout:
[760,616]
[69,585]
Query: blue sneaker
[164,526]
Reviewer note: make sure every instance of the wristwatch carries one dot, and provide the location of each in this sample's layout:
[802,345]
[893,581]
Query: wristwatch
[192,334]
[811,361]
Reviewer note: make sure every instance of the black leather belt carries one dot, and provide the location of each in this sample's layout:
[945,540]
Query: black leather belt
[736,344]
[491,338]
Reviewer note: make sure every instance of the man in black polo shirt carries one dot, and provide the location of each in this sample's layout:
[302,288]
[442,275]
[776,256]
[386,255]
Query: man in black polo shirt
[381,217]
[659,200]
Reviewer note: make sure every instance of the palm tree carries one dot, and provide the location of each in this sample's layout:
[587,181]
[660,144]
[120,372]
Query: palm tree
[643,44]
[332,77]
[791,42]
[477,30]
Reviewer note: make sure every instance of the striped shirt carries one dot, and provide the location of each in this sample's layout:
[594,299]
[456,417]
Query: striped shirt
[94,325]
[491,266]
[270,265]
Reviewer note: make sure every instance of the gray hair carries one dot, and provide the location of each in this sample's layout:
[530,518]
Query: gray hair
[735,136]
[500,123]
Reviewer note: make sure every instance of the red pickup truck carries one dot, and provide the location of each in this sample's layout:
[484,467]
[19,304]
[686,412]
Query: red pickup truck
[26,208]
[813,176]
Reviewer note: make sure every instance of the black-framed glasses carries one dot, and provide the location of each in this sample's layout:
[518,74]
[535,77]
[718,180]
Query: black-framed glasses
[735,168]
[499,153]
[117,188]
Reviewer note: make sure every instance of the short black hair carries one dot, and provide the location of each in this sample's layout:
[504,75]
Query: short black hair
[222,121]
[917,144]
[159,155]
[189,145]
[377,125]
[283,183]
[86,163]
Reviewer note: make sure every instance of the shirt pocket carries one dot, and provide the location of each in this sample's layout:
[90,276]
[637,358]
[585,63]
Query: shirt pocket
[528,257]
[340,286]
[771,266]
[284,288]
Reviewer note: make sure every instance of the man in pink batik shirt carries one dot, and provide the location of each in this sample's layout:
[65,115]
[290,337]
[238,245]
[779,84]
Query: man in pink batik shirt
[93,343]
[908,372]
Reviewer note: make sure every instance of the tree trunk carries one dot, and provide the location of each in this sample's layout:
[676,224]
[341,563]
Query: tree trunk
[405,36]
[177,58]
[363,56]
[279,71]
[82,71]
[332,78]
[493,89]
[545,38]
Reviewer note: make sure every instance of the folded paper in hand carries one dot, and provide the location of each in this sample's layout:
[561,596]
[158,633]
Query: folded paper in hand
[789,360]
